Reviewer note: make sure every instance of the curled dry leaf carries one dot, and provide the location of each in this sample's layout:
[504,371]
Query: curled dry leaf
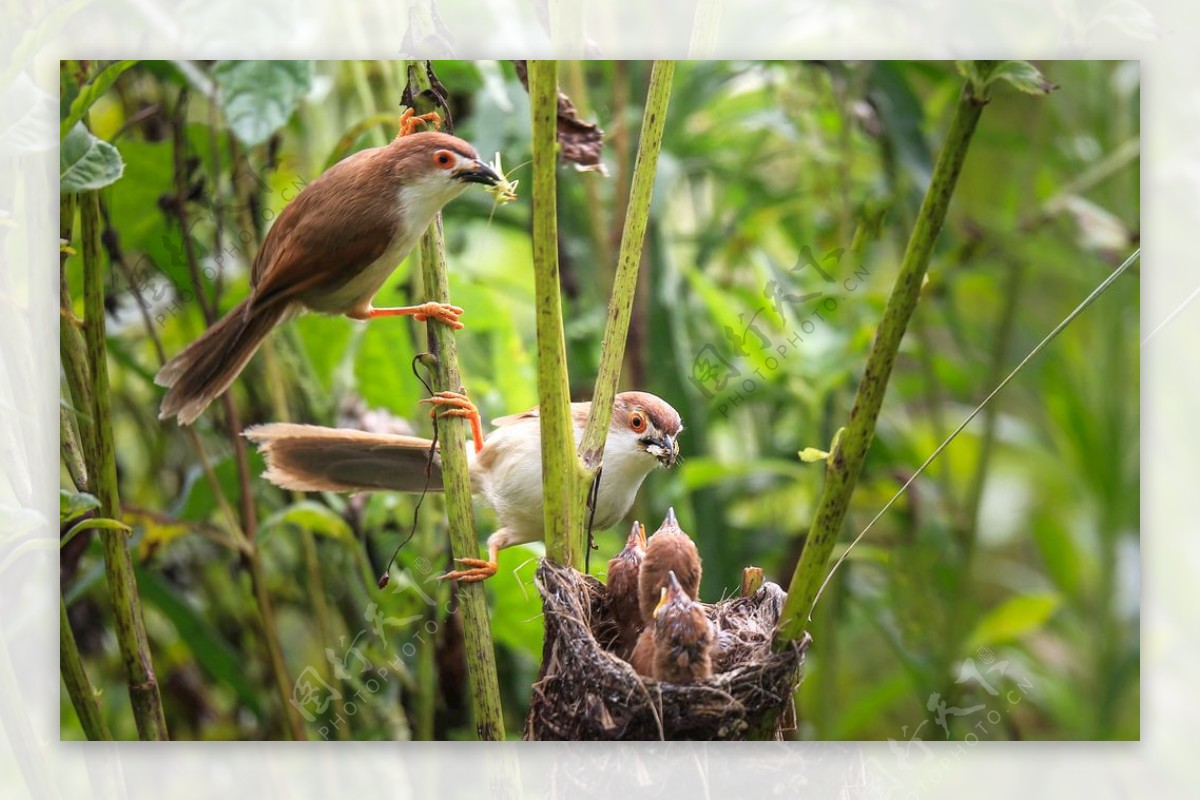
[581,142]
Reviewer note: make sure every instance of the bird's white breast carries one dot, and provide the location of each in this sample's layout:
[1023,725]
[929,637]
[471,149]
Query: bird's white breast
[419,204]
[513,485]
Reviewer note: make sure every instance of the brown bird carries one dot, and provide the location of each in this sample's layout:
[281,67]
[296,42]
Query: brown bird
[623,590]
[670,549]
[678,645]
[506,468]
[330,251]
[641,658]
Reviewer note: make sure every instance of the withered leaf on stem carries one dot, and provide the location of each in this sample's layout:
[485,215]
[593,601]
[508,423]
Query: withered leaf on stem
[581,142]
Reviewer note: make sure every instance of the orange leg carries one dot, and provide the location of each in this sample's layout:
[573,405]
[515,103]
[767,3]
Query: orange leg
[442,312]
[410,121]
[477,569]
[459,406]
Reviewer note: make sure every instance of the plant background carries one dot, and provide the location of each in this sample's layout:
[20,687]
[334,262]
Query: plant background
[1018,548]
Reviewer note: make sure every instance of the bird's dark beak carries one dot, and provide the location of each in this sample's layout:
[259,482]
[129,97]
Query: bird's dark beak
[670,451]
[478,173]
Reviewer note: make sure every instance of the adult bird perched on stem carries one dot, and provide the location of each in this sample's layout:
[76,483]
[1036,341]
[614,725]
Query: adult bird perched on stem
[506,468]
[330,251]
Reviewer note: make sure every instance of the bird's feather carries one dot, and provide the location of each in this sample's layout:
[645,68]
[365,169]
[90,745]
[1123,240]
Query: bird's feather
[315,458]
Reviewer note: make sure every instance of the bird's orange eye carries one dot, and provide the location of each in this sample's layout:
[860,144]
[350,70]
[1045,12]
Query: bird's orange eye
[637,422]
[443,158]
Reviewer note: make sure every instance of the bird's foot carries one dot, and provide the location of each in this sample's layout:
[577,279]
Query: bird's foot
[477,570]
[410,121]
[456,404]
[444,313]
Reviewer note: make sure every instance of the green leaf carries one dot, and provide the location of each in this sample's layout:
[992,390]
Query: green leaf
[197,502]
[258,97]
[813,455]
[316,517]
[87,162]
[970,71]
[355,131]
[91,92]
[214,655]
[72,504]
[903,118]
[381,368]
[104,523]
[516,605]
[1024,76]
[1062,557]
[1013,619]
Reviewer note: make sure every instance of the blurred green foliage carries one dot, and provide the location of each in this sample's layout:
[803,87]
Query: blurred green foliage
[1005,581]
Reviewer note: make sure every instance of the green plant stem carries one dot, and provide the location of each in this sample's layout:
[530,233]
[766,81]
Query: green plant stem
[847,459]
[72,450]
[118,566]
[83,696]
[452,435]
[625,283]
[73,354]
[362,87]
[425,703]
[633,237]
[246,525]
[560,467]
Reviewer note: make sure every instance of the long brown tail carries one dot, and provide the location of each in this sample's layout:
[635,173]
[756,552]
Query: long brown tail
[209,365]
[315,458]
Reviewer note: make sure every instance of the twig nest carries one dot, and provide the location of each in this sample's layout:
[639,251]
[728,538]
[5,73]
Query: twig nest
[586,692]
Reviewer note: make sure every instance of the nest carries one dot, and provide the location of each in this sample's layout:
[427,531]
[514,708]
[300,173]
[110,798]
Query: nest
[585,692]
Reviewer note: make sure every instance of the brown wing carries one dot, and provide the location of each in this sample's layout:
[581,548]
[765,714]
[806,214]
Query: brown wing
[322,238]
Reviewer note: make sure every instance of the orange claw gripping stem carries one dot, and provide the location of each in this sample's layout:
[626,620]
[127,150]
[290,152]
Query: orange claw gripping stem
[410,121]
[458,405]
[444,313]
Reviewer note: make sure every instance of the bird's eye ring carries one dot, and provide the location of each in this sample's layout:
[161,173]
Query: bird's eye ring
[637,422]
[443,158]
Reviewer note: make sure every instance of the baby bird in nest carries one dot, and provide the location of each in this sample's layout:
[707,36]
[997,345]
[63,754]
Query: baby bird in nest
[669,549]
[623,570]
[678,646]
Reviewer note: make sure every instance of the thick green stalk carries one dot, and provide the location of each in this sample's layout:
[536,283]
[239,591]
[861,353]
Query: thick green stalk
[452,436]
[633,237]
[847,459]
[561,473]
[118,566]
[73,354]
[83,696]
